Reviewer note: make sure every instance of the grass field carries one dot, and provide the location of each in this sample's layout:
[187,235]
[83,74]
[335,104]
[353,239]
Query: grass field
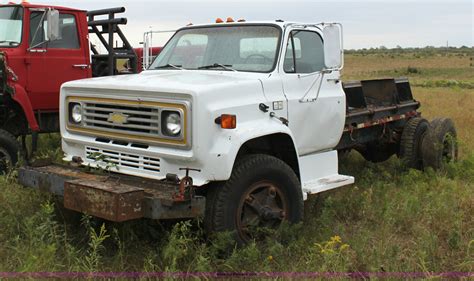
[392,219]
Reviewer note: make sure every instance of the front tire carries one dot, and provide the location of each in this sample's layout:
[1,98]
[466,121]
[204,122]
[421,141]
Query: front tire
[9,148]
[263,191]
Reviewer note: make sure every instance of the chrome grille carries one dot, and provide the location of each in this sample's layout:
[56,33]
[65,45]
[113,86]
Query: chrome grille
[136,121]
[123,160]
[140,120]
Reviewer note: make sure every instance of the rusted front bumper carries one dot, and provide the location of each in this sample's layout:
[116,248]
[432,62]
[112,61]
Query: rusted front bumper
[112,197]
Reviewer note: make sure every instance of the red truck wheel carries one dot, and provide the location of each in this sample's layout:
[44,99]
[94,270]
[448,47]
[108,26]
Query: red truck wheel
[263,191]
[9,148]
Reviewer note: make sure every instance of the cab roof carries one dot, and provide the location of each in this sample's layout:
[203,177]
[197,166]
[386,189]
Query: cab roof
[39,6]
[280,23]
[268,22]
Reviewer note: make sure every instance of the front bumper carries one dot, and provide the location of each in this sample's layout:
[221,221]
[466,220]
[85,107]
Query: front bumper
[153,162]
[111,196]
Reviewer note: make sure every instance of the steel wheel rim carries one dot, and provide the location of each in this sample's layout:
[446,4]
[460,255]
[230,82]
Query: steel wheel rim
[449,148]
[5,159]
[262,205]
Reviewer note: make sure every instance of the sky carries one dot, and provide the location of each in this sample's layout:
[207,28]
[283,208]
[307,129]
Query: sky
[367,23]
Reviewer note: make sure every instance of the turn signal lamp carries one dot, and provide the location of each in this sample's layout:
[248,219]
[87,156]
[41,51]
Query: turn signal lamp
[227,121]
[219,20]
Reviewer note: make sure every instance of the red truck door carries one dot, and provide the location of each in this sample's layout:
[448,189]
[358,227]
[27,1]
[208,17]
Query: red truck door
[50,64]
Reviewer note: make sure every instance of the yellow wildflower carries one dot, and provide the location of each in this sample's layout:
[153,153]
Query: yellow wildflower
[336,238]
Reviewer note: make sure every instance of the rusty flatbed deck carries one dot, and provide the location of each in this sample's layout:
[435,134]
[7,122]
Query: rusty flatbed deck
[134,197]
[375,108]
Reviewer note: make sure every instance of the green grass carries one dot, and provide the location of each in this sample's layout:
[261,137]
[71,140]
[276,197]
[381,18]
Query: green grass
[392,219]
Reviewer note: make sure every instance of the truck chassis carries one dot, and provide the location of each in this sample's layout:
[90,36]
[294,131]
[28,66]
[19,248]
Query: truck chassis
[377,112]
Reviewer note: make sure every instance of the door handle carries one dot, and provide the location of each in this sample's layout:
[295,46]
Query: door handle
[37,50]
[336,81]
[81,66]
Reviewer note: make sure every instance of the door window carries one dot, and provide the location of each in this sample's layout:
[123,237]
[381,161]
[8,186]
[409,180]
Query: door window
[67,27]
[304,53]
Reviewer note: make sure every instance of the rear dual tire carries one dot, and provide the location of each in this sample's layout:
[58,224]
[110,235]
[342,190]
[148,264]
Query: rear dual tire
[440,145]
[411,141]
[425,144]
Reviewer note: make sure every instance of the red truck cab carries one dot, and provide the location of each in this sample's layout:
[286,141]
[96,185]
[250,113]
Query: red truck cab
[41,66]
[42,47]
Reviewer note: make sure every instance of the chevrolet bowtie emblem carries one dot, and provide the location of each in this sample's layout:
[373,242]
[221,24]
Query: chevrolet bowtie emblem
[118,118]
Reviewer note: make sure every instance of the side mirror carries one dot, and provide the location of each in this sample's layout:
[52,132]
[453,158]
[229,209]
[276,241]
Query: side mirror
[52,30]
[333,49]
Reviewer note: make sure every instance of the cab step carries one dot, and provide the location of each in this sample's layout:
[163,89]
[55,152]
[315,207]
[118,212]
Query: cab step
[327,183]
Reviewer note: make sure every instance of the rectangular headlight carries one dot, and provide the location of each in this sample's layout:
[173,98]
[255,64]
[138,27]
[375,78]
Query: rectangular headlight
[75,113]
[171,123]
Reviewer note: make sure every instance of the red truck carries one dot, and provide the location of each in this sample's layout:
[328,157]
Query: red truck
[41,47]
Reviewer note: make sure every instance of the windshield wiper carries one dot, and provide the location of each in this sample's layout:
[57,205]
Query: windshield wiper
[11,43]
[224,66]
[169,65]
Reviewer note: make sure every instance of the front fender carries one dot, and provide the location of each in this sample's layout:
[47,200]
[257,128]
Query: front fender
[17,92]
[21,97]
[226,146]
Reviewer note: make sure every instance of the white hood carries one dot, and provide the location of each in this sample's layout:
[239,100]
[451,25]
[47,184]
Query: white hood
[172,81]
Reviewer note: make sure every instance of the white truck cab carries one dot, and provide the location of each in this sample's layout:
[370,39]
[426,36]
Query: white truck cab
[272,77]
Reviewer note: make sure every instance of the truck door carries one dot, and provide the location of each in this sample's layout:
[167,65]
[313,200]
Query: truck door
[51,63]
[315,106]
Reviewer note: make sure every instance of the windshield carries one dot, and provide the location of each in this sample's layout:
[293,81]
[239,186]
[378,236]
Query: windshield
[10,26]
[231,48]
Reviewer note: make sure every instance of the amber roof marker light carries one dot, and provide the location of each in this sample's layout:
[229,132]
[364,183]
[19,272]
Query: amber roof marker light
[229,20]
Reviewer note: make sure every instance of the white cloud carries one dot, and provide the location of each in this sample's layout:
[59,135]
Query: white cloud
[367,23]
